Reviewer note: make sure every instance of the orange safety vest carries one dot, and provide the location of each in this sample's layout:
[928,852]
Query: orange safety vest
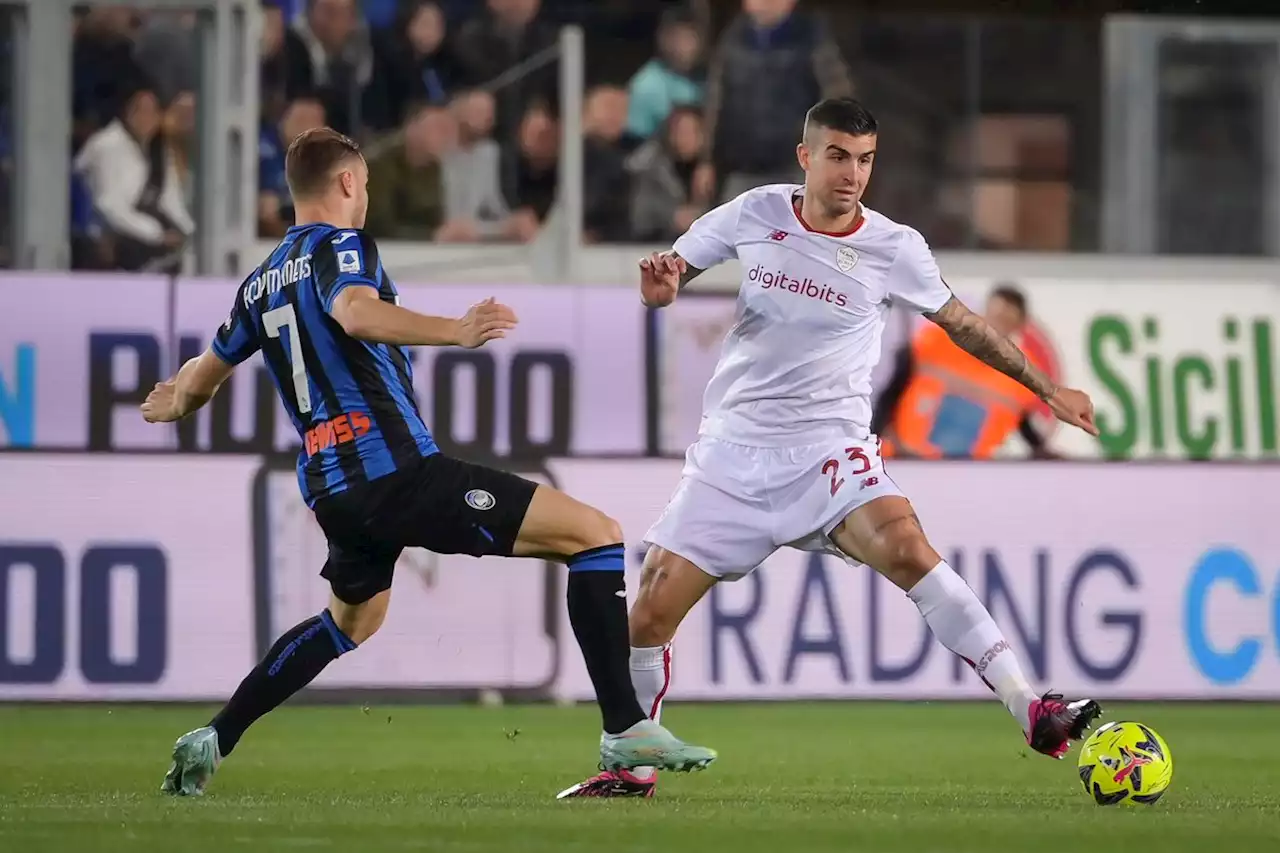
[954,405]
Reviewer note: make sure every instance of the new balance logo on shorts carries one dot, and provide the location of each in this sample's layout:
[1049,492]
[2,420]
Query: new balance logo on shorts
[869,482]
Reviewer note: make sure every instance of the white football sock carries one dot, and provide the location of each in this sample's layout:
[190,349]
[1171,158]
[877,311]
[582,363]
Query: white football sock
[651,676]
[960,622]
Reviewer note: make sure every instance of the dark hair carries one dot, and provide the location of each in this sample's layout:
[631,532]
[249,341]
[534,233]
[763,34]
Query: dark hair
[1013,296]
[844,115]
[134,86]
[313,157]
[677,16]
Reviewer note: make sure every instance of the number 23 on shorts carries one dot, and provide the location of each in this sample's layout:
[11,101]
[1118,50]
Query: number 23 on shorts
[861,465]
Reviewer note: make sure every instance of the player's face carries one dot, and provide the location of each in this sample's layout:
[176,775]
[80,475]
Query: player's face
[837,168]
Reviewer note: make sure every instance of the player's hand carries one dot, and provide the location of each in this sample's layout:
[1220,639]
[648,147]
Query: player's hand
[660,278]
[484,322]
[159,406]
[1073,407]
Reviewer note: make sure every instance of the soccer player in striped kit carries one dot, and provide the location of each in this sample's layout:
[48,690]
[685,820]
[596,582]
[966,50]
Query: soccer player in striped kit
[324,314]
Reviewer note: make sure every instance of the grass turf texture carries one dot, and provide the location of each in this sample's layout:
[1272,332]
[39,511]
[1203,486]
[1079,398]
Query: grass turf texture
[814,777]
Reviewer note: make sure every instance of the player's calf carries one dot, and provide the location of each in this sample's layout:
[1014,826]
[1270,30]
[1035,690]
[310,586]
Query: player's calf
[669,587]
[590,544]
[886,535]
[298,656]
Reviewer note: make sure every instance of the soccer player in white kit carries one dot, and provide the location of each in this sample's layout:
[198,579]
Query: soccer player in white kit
[785,456]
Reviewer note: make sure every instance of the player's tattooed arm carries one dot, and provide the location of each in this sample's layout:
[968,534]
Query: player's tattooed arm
[689,272]
[975,336]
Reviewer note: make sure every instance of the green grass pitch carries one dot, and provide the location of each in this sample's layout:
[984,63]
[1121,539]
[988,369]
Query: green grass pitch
[796,778]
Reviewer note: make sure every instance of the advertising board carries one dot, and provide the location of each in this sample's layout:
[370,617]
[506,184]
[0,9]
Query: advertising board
[77,355]
[166,577]
[1134,581]
[1178,369]
[455,622]
[125,576]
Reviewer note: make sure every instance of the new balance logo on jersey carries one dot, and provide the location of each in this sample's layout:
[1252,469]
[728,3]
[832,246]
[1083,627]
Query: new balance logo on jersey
[781,281]
[777,236]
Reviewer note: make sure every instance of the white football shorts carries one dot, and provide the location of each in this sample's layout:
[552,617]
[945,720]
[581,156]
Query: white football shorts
[735,505]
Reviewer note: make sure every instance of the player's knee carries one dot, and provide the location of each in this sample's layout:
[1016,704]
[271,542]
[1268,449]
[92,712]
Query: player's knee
[609,530]
[906,553]
[360,621]
[596,530]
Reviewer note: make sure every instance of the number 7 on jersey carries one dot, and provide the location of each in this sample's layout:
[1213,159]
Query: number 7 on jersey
[285,318]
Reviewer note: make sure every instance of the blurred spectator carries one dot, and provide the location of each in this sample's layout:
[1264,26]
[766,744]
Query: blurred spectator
[103,67]
[275,207]
[506,34]
[406,181]
[606,184]
[180,134]
[663,201]
[272,67]
[668,80]
[473,203]
[943,403]
[91,248]
[167,50]
[414,64]
[771,65]
[328,53]
[133,179]
[532,172]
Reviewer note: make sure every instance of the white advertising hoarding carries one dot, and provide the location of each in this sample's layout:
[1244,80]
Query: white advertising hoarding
[125,577]
[1178,368]
[1134,581]
[163,577]
[78,353]
[455,622]
[166,577]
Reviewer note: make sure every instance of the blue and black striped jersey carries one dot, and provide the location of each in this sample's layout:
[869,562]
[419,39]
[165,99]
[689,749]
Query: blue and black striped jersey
[351,401]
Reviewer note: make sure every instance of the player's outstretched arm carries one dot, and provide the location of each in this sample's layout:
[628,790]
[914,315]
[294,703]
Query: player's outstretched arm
[710,240]
[366,317]
[975,336]
[662,276]
[195,384]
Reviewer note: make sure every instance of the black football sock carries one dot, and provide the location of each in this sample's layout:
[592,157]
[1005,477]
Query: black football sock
[294,661]
[598,612]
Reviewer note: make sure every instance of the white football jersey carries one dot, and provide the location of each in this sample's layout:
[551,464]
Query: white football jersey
[796,366]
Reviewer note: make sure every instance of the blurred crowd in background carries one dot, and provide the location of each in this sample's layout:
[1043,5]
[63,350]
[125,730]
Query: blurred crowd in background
[992,125]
